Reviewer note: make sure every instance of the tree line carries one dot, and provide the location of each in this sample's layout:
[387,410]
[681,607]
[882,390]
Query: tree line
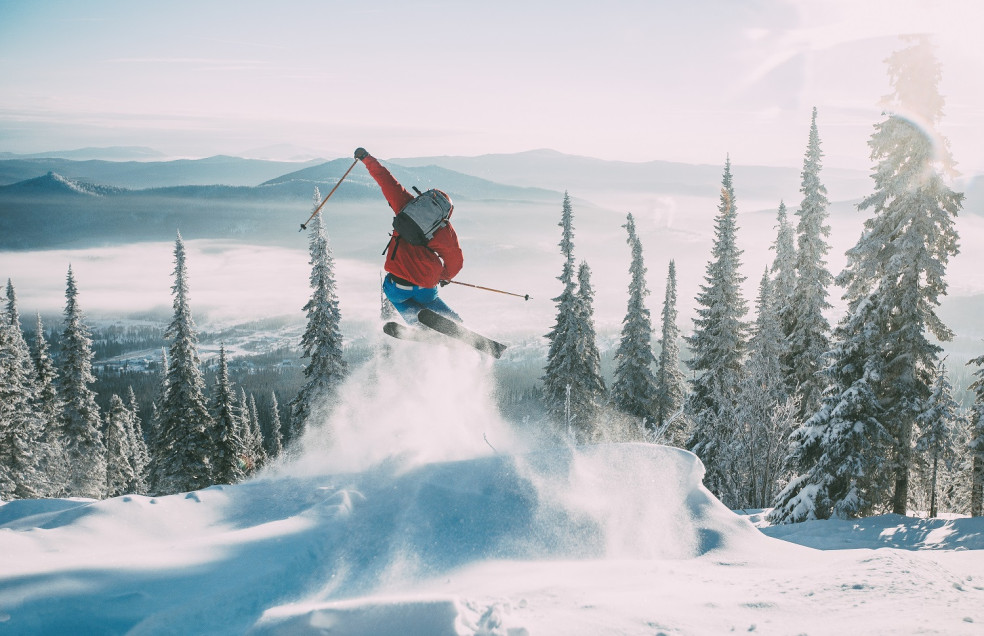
[786,411]
[55,441]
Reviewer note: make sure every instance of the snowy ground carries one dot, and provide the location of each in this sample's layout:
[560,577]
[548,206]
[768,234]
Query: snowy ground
[411,524]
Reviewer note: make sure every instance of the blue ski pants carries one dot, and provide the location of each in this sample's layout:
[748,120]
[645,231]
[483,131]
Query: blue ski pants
[410,299]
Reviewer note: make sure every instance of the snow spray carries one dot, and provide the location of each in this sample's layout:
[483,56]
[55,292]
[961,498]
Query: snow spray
[410,404]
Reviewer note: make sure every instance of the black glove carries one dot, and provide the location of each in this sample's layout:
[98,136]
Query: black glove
[444,283]
[361,153]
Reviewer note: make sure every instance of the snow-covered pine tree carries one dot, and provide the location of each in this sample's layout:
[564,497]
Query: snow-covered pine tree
[185,448]
[49,406]
[20,424]
[954,479]
[902,255]
[140,456]
[783,272]
[634,385]
[246,431]
[671,383]
[718,346]
[45,373]
[883,363]
[562,355]
[12,315]
[765,410]
[80,420]
[249,427]
[975,442]
[935,426]
[587,387]
[230,446]
[257,446]
[839,453]
[810,336]
[276,440]
[322,339]
[120,472]
[156,408]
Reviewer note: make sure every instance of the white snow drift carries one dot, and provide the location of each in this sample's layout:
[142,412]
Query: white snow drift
[409,523]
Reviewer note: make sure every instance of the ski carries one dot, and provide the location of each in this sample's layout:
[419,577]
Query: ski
[404,332]
[435,326]
[452,329]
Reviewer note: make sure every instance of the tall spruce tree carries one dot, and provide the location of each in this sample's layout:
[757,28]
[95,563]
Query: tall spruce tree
[975,441]
[883,364]
[49,406]
[634,388]
[902,256]
[138,445]
[322,339]
[276,439]
[248,430]
[185,449]
[765,408]
[45,375]
[935,425]
[121,474]
[671,383]
[80,421]
[587,394]
[718,346]
[783,272]
[230,445]
[838,453]
[810,335]
[562,356]
[154,440]
[257,446]
[20,423]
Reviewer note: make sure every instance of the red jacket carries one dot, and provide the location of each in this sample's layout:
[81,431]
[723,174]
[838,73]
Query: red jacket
[422,265]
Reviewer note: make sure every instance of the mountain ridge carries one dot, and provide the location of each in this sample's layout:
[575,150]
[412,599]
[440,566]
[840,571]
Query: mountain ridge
[107,153]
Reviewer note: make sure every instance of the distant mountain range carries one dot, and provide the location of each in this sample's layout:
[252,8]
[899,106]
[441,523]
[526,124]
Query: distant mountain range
[48,201]
[54,209]
[111,153]
[555,170]
[222,170]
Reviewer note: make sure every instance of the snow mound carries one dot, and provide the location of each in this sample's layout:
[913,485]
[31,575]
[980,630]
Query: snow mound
[396,486]
[229,556]
[882,531]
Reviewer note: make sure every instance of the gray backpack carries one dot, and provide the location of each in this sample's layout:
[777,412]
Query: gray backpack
[422,216]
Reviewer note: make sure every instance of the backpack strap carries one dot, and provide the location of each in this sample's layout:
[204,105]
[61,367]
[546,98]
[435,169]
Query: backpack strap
[395,239]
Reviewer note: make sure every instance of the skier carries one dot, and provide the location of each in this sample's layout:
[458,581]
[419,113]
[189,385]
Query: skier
[414,271]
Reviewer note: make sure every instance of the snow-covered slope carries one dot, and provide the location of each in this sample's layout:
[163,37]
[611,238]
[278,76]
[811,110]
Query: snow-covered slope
[410,523]
[222,556]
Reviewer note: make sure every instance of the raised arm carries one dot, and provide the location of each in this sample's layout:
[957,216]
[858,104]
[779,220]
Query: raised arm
[396,195]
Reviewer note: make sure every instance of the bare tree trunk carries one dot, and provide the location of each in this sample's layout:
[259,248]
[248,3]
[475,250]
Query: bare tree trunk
[977,486]
[900,500]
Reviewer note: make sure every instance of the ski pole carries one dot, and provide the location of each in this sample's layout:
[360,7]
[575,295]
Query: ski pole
[322,204]
[498,291]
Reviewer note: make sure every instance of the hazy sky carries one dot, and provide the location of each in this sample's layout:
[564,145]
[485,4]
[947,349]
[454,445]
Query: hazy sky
[633,80]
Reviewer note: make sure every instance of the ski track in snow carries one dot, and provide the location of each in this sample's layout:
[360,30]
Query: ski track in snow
[408,523]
